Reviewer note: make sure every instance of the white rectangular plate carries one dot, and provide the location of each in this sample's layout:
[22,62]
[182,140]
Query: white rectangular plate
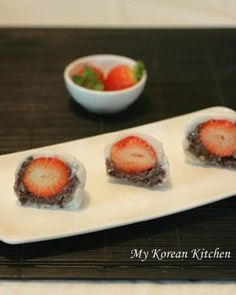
[109,203]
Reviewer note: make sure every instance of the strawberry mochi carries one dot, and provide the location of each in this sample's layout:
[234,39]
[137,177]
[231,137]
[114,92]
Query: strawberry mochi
[138,158]
[49,180]
[210,138]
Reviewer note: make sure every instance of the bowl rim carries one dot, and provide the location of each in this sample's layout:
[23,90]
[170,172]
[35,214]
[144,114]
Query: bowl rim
[75,62]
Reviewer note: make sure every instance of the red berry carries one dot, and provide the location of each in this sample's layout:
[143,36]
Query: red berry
[218,137]
[97,71]
[133,154]
[120,77]
[90,77]
[46,176]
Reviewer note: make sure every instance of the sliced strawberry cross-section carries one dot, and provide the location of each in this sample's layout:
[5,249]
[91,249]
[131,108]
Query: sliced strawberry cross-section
[133,154]
[218,137]
[46,176]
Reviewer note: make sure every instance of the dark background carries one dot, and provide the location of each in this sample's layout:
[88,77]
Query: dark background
[188,70]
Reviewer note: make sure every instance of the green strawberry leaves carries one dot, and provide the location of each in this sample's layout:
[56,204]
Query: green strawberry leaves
[138,70]
[88,79]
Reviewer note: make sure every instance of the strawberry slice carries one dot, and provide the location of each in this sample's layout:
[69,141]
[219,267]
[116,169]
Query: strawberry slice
[90,77]
[132,154]
[46,176]
[123,76]
[218,137]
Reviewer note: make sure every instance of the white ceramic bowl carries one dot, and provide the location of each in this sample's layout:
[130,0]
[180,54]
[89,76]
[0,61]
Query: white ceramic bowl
[103,101]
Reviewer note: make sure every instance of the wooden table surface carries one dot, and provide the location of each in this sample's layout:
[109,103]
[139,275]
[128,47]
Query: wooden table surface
[188,70]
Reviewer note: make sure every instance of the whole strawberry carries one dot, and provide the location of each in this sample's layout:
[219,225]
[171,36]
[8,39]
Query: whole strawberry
[123,76]
[89,77]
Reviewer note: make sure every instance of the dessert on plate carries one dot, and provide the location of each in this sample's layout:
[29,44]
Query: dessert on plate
[210,138]
[50,180]
[138,158]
